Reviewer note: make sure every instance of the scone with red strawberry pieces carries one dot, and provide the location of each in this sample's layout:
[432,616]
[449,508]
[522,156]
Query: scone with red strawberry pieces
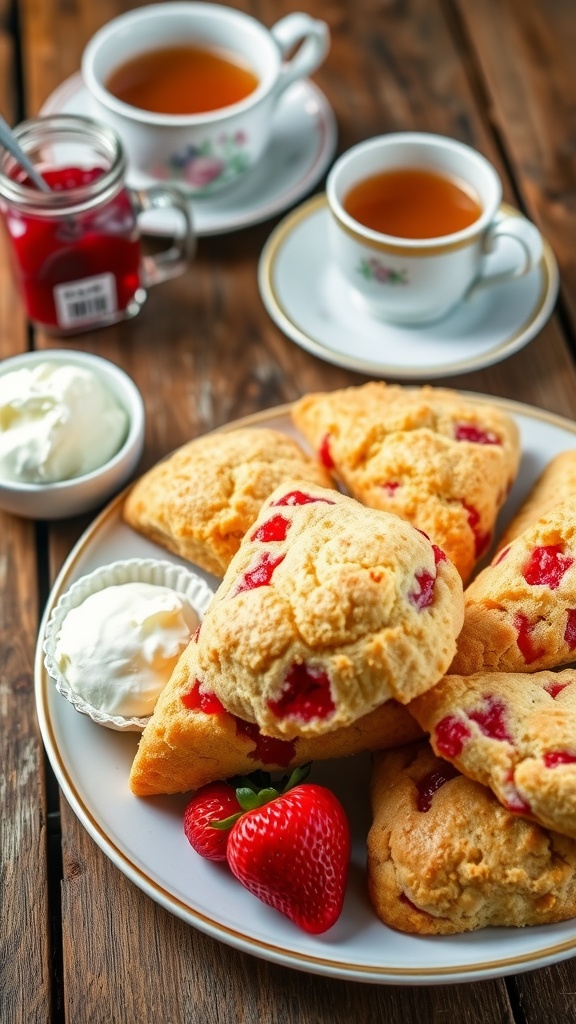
[328,610]
[191,740]
[445,857]
[200,501]
[521,610]
[513,732]
[443,462]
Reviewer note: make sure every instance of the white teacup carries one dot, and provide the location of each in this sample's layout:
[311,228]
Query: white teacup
[408,280]
[201,152]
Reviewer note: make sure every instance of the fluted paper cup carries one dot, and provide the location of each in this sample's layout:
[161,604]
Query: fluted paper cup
[136,570]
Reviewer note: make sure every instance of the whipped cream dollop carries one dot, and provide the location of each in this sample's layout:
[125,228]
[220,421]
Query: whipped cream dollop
[117,649]
[57,421]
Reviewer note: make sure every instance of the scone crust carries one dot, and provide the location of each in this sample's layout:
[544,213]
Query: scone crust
[557,483]
[200,501]
[341,606]
[513,623]
[466,862]
[408,451]
[183,747]
[515,733]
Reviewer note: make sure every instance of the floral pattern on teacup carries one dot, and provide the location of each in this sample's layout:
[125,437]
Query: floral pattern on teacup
[202,167]
[373,270]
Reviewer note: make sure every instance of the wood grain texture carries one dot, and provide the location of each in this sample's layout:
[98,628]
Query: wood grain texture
[203,351]
[526,55]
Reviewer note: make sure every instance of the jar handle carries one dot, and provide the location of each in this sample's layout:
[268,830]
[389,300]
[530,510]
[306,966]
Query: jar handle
[173,261]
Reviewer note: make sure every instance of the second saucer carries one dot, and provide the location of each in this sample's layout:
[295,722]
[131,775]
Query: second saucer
[308,299]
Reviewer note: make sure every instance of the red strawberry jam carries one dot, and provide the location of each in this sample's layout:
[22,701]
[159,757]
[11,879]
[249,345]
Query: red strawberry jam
[451,734]
[305,695]
[555,757]
[260,574]
[196,700]
[471,432]
[431,783]
[325,453]
[570,629]
[439,555]
[524,629]
[423,597]
[54,251]
[268,749]
[547,566]
[481,540]
[273,529]
[301,498]
[492,718]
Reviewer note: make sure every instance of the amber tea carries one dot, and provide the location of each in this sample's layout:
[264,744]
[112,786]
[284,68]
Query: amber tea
[182,80]
[412,203]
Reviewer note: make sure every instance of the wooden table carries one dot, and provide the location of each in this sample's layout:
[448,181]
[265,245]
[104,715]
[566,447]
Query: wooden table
[79,942]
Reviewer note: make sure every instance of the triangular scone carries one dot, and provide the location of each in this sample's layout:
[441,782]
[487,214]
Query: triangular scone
[200,501]
[521,610]
[443,462]
[327,610]
[445,857]
[556,484]
[515,733]
[190,740]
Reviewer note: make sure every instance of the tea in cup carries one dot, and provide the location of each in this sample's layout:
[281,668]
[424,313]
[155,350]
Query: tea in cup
[192,87]
[413,216]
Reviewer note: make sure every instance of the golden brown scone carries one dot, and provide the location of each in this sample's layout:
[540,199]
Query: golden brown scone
[200,501]
[513,732]
[556,484]
[445,857]
[521,610]
[443,462]
[190,740]
[327,610]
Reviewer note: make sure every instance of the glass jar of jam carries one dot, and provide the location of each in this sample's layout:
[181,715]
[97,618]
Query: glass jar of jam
[76,248]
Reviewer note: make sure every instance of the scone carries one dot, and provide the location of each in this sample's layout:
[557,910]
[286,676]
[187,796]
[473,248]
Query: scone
[445,857]
[521,610]
[191,740]
[556,484]
[443,462]
[513,732]
[328,610]
[200,501]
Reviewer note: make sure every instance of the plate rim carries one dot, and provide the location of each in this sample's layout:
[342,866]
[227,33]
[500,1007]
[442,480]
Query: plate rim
[324,154]
[276,310]
[161,895]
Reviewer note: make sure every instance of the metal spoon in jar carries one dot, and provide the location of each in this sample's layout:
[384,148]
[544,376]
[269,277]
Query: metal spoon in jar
[8,141]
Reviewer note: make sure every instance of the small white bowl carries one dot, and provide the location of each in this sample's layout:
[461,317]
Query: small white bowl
[82,493]
[141,570]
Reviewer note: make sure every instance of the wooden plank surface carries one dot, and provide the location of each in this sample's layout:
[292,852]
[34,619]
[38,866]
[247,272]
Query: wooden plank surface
[204,352]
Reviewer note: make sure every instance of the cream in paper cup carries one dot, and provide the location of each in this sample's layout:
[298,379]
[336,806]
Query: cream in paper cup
[115,636]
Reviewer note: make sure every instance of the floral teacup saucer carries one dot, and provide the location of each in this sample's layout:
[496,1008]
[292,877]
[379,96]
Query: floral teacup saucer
[306,296]
[303,142]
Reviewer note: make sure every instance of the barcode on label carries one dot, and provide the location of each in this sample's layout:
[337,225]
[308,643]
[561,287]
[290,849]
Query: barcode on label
[86,301]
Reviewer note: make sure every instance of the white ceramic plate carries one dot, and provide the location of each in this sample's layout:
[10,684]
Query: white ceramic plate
[303,142]
[145,839]
[309,300]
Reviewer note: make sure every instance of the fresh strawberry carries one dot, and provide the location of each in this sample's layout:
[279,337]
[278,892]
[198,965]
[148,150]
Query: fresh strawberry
[211,803]
[291,850]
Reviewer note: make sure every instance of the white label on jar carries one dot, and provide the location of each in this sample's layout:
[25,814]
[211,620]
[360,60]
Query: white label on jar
[86,301]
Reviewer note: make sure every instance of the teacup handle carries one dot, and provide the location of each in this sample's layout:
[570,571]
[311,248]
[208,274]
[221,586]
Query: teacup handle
[173,261]
[529,244]
[314,39]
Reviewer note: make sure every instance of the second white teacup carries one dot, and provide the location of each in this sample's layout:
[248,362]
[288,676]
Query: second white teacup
[419,280]
[202,152]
